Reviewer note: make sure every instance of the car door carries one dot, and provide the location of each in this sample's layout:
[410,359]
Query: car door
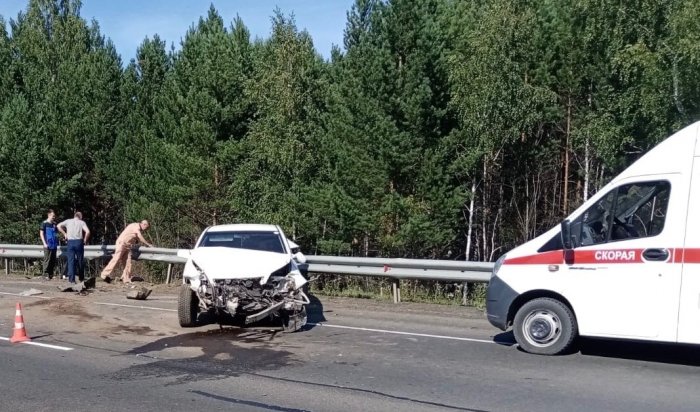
[620,278]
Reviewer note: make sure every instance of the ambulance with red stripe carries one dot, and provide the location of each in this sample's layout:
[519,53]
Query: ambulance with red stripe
[624,265]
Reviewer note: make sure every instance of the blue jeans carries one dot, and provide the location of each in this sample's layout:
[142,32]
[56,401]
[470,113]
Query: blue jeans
[74,255]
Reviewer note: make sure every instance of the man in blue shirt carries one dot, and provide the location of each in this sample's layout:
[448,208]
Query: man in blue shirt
[49,238]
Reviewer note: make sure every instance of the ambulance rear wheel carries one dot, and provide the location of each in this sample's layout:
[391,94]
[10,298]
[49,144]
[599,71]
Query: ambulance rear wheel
[545,326]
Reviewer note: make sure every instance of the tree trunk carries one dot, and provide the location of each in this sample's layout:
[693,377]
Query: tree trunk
[468,248]
[499,212]
[586,168]
[526,223]
[566,157]
[676,88]
[216,192]
[484,209]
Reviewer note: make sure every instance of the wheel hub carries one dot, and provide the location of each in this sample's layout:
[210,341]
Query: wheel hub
[542,328]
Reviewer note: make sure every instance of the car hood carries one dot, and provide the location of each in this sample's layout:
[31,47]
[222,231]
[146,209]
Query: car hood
[229,263]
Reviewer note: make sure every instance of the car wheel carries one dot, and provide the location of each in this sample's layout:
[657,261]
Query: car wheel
[545,326]
[187,307]
[292,322]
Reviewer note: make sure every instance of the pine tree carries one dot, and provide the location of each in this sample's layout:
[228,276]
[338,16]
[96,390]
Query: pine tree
[276,161]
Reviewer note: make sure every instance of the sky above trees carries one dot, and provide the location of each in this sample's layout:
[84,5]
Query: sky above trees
[128,22]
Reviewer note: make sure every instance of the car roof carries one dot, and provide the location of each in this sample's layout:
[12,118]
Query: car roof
[244,227]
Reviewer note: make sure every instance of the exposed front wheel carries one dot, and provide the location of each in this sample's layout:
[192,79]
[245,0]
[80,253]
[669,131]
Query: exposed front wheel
[187,307]
[545,326]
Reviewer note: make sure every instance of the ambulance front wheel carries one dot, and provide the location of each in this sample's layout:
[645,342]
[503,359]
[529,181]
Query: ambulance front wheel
[545,326]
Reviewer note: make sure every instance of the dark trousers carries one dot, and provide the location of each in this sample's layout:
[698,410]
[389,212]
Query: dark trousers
[74,257]
[49,262]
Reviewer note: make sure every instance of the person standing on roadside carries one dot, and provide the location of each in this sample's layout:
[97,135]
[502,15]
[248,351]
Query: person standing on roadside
[77,234]
[132,234]
[48,233]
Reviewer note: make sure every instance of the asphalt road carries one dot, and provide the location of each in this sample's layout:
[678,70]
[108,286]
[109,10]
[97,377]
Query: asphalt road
[356,355]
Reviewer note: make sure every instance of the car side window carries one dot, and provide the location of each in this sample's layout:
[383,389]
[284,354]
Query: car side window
[635,210]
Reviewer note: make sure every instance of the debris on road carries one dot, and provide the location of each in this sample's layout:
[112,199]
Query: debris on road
[141,294]
[71,287]
[90,283]
[31,292]
[77,287]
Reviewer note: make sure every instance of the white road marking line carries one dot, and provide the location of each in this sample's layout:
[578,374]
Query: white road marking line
[22,296]
[134,306]
[395,332]
[43,345]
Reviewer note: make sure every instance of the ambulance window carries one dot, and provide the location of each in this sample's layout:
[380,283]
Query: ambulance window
[631,211]
[592,227]
[640,210]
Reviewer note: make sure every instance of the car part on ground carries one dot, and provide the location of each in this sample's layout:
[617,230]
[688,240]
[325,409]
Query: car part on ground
[140,294]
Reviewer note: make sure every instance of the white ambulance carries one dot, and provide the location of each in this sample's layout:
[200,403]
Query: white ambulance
[624,265]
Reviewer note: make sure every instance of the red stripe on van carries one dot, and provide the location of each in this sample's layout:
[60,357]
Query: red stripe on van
[608,256]
[600,256]
[554,257]
[603,256]
[676,255]
[689,255]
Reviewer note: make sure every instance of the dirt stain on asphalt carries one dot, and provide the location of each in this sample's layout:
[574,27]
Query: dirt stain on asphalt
[225,353]
[133,330]
[64,307]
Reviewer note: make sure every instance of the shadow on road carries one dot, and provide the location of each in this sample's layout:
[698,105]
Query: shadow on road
[632,350]
[314,311]
[505,338]
[644,351]
[220,353]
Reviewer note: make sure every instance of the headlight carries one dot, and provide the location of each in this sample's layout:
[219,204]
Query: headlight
[202,276]
[497,265]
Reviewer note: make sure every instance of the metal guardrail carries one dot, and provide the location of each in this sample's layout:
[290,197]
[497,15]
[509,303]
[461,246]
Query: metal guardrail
[424,269]
[395,269]
[92,252]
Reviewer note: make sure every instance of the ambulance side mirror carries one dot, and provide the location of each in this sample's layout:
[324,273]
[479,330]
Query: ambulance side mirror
[566,240]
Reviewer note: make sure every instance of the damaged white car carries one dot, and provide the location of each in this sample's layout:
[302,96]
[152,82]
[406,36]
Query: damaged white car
[245,272]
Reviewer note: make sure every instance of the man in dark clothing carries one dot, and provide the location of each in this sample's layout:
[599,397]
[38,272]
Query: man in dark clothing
[49,238]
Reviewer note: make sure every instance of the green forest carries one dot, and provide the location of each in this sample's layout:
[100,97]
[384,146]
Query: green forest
[440,129]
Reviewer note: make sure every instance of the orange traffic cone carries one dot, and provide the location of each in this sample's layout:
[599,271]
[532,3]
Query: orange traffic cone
[18,333]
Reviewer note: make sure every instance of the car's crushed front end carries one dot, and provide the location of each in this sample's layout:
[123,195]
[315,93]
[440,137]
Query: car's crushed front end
[248,284]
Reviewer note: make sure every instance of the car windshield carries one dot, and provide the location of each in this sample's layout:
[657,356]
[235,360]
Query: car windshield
[263,241]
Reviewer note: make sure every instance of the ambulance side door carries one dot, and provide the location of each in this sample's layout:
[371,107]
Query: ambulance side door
[689,311]
[620,278]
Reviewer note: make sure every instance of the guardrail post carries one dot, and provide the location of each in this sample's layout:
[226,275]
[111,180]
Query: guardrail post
[396,290]
[170,272]
[7,266]
[465,293]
